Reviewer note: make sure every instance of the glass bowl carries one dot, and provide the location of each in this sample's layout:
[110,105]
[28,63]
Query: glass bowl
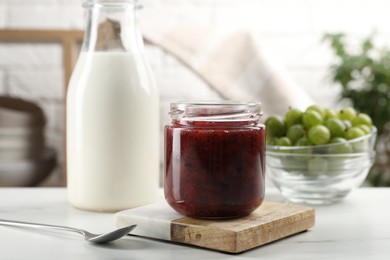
[320,174]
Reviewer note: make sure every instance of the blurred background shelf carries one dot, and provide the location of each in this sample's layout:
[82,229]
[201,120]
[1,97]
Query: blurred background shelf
[32,162]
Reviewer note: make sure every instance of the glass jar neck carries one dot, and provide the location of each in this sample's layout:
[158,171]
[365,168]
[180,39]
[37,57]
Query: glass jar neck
[111,26]
[214,114]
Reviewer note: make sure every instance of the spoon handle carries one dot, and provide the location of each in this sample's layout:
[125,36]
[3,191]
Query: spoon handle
[15,223]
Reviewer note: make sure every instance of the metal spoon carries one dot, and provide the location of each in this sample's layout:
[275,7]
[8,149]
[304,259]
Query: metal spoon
[94,238]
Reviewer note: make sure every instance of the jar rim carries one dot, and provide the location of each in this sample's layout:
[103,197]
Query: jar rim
[216,111]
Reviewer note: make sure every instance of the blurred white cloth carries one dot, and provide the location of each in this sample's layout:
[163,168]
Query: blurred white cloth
[232,62]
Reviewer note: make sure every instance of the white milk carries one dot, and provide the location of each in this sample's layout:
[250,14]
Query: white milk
[112,132]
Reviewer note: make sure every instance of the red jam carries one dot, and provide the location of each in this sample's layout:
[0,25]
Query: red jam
[214,163]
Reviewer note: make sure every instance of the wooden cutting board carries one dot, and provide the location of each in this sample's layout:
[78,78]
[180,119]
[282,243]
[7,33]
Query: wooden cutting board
[270,222]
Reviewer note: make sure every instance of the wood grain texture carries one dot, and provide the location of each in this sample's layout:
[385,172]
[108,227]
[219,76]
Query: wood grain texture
[270,222]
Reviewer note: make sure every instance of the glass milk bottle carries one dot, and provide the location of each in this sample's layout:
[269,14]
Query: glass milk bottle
[112,114]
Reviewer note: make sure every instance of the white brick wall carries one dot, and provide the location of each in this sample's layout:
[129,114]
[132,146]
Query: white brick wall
[290,29]
[3,14]
[30,55]
[63,16]
[3,87]
[43,84]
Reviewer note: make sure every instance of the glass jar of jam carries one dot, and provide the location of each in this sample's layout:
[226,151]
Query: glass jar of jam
[214,159]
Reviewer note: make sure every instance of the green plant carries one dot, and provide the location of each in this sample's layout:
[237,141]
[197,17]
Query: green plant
[364,75]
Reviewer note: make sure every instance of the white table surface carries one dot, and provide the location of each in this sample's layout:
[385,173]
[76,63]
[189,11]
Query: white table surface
[356,228]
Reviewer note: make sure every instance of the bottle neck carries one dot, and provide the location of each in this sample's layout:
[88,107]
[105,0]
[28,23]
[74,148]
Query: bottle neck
[111,26]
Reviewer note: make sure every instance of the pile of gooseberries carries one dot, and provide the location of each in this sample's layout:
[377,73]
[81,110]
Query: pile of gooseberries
[317,126]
